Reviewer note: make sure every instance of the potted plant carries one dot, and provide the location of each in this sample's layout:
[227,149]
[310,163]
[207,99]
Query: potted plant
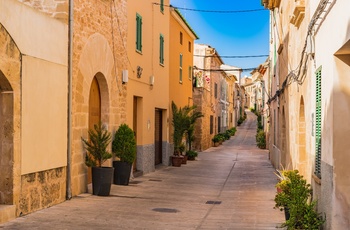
[191,155]
[294,196]
[124,148]
[96,146]
[216,139]
[179,130]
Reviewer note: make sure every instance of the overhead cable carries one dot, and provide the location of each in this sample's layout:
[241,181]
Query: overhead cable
[233,56]
[212,11]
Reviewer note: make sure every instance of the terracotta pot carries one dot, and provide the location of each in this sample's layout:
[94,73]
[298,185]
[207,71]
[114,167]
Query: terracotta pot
[176,161]
[184,160]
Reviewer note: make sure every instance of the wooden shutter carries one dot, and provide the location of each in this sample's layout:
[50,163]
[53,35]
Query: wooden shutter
[161,49]
[161,5]
[180,67]
[138,32]
[318,124]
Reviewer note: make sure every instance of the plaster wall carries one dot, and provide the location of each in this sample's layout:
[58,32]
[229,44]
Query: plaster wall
[44,112]
[150,96]
[180,91]
[26,26]
[335,107]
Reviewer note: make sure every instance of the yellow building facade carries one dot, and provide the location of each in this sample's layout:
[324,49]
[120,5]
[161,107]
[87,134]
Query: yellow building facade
[182,39]
[148,81]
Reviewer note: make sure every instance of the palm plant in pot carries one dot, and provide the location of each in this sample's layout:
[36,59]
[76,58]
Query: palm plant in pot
[96,146]
[179,130]
[124,148]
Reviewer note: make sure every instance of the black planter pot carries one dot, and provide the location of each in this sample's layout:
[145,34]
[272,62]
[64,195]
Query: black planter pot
[122,172]
[102,180]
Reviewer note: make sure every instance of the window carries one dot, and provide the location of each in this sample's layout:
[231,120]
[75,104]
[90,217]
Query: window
[189,47]
[161,49]
[138,33]
[181,37]
[219,124]
[211,124]
[318,124]
[162,6]
[190,73]
[216,90]
[181,68]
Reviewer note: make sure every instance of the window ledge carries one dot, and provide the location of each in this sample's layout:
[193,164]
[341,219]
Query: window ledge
[316,179]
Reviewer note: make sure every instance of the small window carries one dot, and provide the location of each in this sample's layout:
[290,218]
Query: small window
[190,72]
[138,33]
[216,90]
[162,6]
[189,47]
[181,37]
[180,68]
[211,124]
[161,49]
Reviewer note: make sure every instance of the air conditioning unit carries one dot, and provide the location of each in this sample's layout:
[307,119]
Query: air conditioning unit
[125,76]
[151,80]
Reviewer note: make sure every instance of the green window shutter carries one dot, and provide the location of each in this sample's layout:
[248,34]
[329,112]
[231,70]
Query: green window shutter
[138,32]
[180,67]
[162,6]
[318,124]
[161,49]
[190,72]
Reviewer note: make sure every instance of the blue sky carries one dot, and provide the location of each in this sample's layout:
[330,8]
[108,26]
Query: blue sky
[233,34]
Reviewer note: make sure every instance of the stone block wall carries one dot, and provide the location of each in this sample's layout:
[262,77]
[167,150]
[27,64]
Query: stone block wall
[10,90]
[41,190]
[145,158]
[99,48]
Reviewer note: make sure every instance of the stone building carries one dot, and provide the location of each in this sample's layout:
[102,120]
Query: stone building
[309,65]
[99,56]
[33,105]
[54,86]
[207,93]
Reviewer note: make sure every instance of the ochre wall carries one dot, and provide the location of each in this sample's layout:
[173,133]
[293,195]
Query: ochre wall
[154,23]
[99,50]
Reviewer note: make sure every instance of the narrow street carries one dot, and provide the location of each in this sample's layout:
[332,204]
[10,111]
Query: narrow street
[227,187]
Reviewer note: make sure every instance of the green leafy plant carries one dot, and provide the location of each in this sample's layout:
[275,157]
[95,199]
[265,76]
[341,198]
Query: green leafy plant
[183,123]
[124,144]
[191,154]
[295,196]
[261,139]
[96,146]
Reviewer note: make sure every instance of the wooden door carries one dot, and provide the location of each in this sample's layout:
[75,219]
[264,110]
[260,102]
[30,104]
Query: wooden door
[94,110]
[134,127]
[158,137]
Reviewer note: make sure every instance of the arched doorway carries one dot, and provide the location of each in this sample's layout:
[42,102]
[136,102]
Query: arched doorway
[302,161]
[6,141]
[94,110]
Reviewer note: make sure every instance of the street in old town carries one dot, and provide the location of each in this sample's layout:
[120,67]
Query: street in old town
[226,187]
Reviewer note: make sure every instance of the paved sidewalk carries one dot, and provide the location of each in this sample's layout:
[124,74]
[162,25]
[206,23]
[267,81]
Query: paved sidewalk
[227,187]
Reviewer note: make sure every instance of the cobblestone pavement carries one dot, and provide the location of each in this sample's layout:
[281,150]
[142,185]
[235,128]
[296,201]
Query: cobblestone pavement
[227,187]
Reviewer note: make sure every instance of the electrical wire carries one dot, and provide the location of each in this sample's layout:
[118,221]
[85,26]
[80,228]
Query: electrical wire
[212,11]
[233,56]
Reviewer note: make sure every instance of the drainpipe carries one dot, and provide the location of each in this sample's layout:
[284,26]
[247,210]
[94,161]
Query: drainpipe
[70,73]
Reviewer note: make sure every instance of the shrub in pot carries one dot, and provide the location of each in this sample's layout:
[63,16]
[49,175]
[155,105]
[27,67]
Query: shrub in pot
[191,155]
[96,146]
[124,148]
[295,196]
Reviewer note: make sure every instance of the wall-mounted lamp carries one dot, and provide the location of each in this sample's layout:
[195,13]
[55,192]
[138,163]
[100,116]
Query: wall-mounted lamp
[151,80]
[139,71]
[125,76]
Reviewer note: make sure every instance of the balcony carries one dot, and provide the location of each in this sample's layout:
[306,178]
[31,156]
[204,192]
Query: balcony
[270,4]
[298,13]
